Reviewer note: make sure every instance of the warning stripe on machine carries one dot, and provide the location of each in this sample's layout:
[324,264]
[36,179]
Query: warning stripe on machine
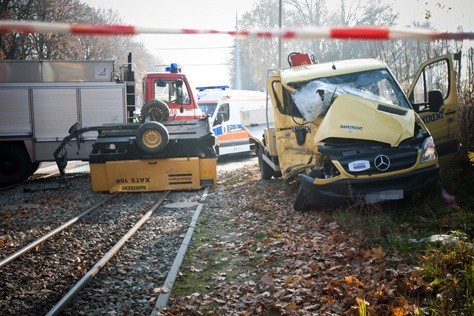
[180,178]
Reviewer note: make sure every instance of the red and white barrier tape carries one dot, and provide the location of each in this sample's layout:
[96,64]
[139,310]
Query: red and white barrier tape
[360,33]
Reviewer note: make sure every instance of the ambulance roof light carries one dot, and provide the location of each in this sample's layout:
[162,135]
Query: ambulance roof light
[223,87]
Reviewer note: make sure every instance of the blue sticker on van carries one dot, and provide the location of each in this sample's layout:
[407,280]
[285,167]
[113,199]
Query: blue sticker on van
[218,130]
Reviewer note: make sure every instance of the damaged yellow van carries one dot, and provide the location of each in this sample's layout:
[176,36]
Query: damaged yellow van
[348,130]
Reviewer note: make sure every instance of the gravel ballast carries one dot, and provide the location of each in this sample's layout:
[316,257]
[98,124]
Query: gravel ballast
[129,284]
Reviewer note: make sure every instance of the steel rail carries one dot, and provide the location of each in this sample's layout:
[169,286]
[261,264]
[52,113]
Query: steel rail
[163,298]
[64,302]
[52,233]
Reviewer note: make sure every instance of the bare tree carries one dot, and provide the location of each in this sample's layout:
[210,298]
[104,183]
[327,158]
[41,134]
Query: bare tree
[308,13]
[258,55]
[261,53]
[14,45]
[69,47]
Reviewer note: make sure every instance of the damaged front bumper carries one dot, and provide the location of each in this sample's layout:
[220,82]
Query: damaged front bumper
[371,189]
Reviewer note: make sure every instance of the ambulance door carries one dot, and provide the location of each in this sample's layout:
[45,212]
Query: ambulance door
[434,97]
[220,120]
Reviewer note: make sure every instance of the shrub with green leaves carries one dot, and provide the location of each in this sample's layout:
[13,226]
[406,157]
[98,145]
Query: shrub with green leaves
[449,271]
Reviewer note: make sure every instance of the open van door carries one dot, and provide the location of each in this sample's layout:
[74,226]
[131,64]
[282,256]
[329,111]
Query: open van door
[434,97]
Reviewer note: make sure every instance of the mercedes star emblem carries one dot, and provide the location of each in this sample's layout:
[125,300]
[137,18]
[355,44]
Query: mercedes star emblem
[382,162]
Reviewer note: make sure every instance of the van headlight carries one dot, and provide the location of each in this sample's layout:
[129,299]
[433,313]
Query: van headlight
[428,148]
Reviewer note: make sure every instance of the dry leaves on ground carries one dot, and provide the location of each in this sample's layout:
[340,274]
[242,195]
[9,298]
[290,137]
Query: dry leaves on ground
[265,258]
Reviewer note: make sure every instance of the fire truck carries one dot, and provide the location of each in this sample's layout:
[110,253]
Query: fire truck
[42,100]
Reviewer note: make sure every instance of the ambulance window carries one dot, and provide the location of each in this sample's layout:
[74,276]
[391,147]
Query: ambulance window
[224,110]
[208,108]
[434,76]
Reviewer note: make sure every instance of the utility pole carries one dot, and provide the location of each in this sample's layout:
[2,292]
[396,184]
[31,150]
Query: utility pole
[279,26]
[238,83]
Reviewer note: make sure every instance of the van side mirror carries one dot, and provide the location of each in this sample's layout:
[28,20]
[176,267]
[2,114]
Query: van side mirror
[219,119]
[435,100]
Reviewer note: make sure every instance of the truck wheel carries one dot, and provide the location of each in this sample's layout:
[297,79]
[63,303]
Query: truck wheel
[265,170]
[154,110]
[301,203]
[34,167]
[152,137]
[15,165]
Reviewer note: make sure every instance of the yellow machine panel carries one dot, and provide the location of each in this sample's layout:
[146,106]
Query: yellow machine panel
[145,175]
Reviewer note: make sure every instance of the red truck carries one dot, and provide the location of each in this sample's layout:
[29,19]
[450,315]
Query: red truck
[170,88]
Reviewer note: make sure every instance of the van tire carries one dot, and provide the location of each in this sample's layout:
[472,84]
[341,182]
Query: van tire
[154,110]
[15,165]
[301,203]
[265,170]
[152,137]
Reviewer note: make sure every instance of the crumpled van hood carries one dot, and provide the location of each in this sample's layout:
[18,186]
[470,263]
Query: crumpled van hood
[358,118]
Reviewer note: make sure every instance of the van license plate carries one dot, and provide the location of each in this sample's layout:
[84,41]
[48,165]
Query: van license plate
[384,196]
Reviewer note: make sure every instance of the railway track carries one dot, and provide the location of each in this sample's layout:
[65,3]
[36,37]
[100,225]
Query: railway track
[55,268]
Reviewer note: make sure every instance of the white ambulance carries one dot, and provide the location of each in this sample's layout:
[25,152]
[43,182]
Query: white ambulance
[224,106]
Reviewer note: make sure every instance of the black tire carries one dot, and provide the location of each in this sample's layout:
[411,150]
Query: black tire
[154,110]
[265,170]
[15,165]
[34,167]
[301,203]
[152,137]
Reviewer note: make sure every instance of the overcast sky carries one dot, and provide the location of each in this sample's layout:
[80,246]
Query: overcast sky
[204,56]
[209,64]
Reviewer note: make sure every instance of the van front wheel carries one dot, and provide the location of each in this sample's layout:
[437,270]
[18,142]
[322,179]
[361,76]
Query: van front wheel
[265,170]
[301,203]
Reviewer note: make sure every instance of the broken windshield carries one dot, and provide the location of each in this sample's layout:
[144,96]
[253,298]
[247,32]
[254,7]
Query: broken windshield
[314,97]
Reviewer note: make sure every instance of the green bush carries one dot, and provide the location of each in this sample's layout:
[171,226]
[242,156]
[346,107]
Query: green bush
[466,119]
[449,271]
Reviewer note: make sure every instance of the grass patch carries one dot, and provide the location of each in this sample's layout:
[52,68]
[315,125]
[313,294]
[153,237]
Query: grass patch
[213,258]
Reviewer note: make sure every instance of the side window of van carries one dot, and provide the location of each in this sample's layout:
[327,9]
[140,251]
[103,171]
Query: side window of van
[224,110]
[434,76]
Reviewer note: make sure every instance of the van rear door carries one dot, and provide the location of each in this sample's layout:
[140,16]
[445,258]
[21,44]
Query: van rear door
[438,74]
